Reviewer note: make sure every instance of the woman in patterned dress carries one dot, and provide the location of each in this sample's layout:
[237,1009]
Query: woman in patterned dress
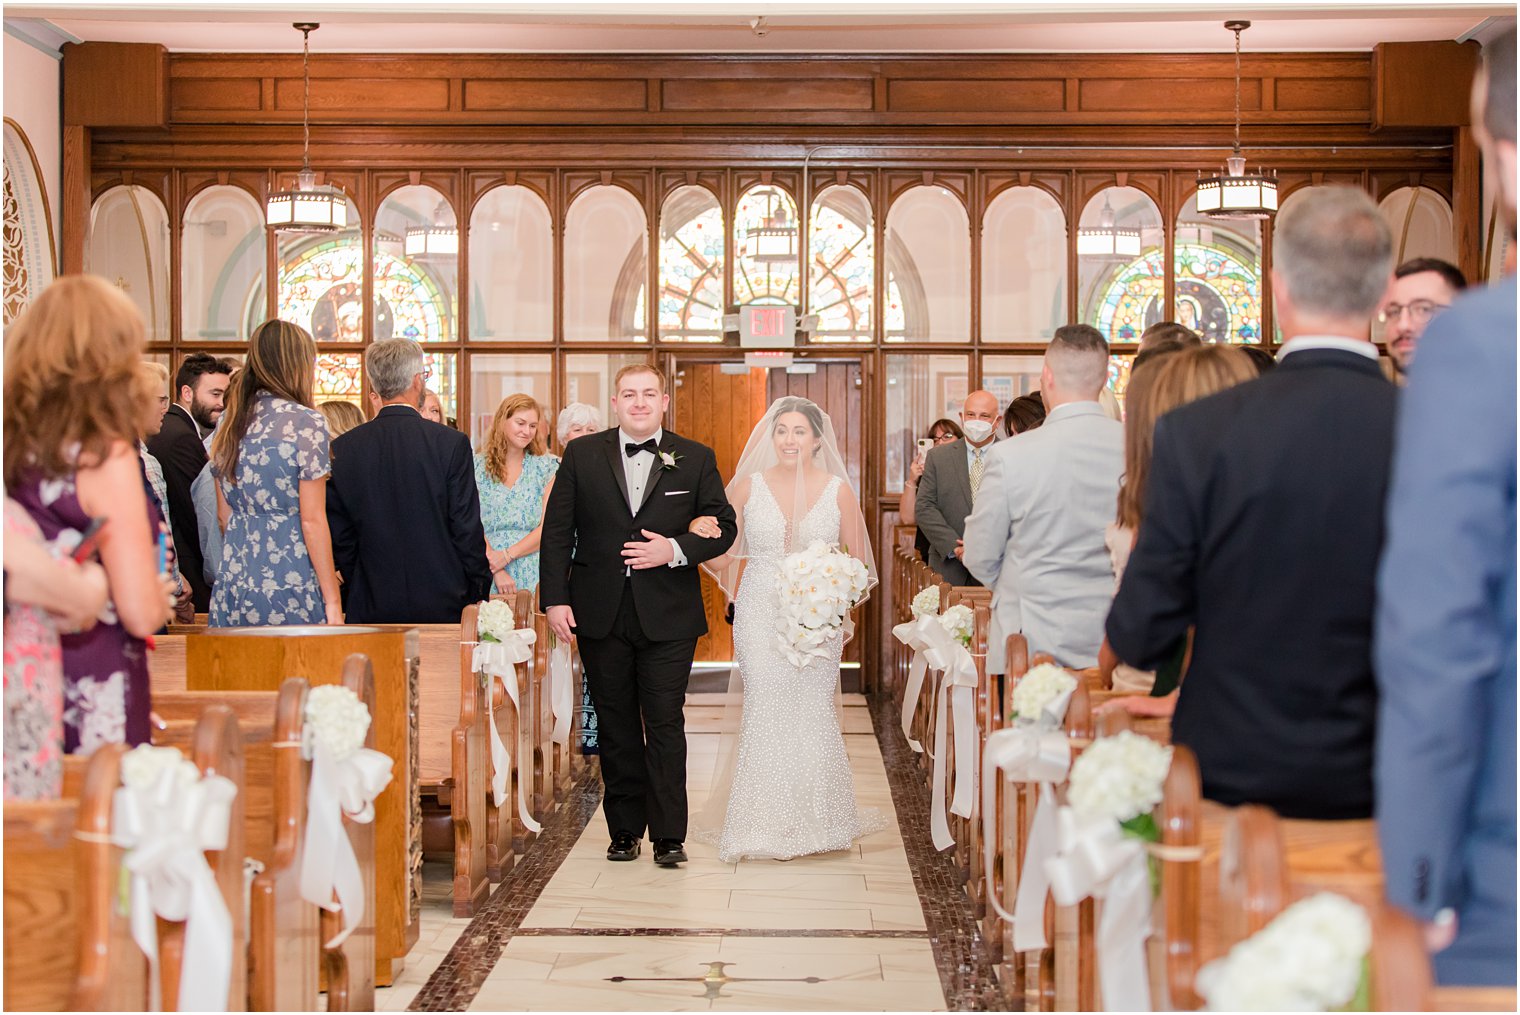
[514,472]
[72,406]
[271,463]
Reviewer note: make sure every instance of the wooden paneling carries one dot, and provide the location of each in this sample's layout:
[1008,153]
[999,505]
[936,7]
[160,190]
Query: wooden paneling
[777,96]
[357,98]
[539,94]
[244,94]
[1002,96]
[1295,95]
[1422,84]
[115,84]
[1199,94]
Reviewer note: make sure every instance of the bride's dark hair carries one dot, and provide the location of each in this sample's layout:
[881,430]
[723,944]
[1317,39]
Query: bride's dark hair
[808,409]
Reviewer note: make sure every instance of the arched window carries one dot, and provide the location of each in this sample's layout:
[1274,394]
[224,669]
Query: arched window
[1121,274]
[320,284]
[30,258]
[841,265]
[511,267]
[1023,266]
[691,266]
[928,267]
[1217,267]
[416,267]
[766,258]
[1422,225]
[606,266]
[222,265]
[129,247]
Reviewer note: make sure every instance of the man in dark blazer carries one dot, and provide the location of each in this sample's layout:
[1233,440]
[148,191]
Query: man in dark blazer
[402,505]
[200,387]
[618,571]
[1446,611]
[1263,520]
[946,493]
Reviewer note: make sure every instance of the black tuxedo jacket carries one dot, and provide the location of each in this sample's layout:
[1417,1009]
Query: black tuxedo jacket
[1262,525]
[405,520]
[588,521]
[179,450]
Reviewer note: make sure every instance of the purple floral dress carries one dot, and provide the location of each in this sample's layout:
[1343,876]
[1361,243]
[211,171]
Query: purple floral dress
[33,688]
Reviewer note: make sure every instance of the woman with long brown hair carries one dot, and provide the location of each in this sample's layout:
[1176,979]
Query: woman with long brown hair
[514,473]
[270,460]
[72,407]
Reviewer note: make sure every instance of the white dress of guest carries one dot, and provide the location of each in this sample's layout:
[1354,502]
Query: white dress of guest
[1120,540]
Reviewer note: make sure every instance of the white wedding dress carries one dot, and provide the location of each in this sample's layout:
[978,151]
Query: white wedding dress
[792,793]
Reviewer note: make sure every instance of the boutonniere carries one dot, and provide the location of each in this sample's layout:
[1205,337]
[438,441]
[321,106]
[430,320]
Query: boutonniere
[668,460]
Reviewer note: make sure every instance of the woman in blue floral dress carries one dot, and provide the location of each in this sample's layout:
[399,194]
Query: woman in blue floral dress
[514,472]
[271,463]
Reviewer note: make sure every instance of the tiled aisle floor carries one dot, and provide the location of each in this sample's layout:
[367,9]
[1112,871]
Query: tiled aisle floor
[841,931]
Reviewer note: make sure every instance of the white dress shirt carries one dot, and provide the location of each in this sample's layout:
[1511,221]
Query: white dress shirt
[637,469]
[1303,343]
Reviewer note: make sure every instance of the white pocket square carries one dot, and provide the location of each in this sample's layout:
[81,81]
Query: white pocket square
[675,493]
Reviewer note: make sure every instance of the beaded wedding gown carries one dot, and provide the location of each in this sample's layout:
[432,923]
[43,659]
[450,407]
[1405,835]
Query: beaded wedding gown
[792,793]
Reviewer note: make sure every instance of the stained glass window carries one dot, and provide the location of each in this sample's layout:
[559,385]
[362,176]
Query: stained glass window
[765,247]
[1118,375]
[1218,275]
[340,377]
[928,256]
[320,290]
[841,265]
[321,282]
[1217,296]
[691,266]
[1118,289]
[414,288]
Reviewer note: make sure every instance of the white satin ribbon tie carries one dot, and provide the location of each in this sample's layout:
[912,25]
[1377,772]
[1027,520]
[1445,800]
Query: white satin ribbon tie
[912,634]
[561,688]
[499,660]
[957,693]
[339,786]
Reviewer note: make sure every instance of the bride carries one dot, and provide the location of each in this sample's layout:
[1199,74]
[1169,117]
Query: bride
[785,790]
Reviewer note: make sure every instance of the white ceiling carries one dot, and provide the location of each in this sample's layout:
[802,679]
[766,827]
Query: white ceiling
[852,26]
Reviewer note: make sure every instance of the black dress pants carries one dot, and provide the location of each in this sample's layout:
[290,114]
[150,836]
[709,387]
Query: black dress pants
[639,689]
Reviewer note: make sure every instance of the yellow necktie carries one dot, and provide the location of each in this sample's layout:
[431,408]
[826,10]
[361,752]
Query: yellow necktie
[978,467]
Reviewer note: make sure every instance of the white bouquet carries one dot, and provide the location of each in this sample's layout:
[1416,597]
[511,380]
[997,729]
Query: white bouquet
[144,765]
[1120,777]
[926,603]
[1311,957]
[337,719]
[818,586]
[494,621]
[1038,688]
[959,621]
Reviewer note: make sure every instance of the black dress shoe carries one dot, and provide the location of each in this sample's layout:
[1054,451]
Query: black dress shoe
[669,852]
[625,846]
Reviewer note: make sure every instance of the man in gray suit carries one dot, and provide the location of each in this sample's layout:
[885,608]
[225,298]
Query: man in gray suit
[1445,626]
[952,475]
[1036,536]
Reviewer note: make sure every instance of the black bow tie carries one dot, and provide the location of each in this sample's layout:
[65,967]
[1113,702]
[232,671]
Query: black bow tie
[632,449]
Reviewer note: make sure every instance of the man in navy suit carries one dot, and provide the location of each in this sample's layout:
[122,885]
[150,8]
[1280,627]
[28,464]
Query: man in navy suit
[1446,611]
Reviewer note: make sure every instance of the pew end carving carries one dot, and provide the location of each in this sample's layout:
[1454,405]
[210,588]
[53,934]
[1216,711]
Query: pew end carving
[350,968]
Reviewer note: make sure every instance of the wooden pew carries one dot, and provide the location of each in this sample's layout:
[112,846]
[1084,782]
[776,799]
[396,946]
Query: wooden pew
[167,662]
[540,722]
[68,945]
[349,969]
[506,836]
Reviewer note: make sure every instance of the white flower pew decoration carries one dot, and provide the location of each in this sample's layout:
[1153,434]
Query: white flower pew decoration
[1313,956]
[167,815]
[1033,749]
[912,634]
[1102,836]
[818,586]
[346,777]
[944,640]
[499,649]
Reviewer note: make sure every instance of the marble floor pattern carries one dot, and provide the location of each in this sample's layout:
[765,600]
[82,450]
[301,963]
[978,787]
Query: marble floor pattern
[842,931]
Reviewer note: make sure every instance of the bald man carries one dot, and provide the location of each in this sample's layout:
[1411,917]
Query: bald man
[946,493]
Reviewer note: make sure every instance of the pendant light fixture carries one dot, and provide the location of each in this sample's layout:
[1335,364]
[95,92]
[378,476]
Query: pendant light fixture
[1234,193]
[308,208]
[436,241]
[1106,239]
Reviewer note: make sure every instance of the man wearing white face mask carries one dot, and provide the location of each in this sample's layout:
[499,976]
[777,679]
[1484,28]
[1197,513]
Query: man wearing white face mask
[952,476]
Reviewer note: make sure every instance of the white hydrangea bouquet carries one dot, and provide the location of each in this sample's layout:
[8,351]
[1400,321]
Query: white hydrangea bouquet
[1045,688]
[818,586]
[494,621]
[926,603]
[959,621]
[1120,778]
[336,718]
[1313,956]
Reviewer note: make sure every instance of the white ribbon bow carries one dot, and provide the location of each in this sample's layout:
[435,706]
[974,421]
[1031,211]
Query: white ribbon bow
[957,691]
[561,686]
[914,635]
[339,786]
[168,827]
[1027,752]
[1096,858]
[499,659]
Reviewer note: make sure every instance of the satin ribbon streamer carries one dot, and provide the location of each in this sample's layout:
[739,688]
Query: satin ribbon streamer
[561,700]
[914,635]
[957,692]
[1031,752]
[499,659]
[1096,858]
[338,786]
[167,829]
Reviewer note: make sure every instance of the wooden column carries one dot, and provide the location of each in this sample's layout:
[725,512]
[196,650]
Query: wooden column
[75,204]
[1467,202]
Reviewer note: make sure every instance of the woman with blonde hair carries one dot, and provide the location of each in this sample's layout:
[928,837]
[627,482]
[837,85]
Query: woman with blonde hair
[514,473]
[341,417]
[1162,382]
[270,460]
[72,411]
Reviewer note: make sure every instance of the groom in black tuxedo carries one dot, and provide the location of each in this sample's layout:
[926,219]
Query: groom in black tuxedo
[619,573]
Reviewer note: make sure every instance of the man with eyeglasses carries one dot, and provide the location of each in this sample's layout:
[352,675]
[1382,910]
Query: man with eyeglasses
[1422,287]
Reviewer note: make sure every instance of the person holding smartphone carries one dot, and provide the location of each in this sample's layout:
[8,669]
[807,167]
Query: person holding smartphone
[941,431]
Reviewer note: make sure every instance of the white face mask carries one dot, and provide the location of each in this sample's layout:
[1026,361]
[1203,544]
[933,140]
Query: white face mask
[977,430]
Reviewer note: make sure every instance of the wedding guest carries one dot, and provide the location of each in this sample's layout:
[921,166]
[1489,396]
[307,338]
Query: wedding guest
[410,552]
[1023,414]
[1263,361]
[155,403]
[43,594]
[1172,378]
[200,386]
[576,420]
[432,408]
[1445,633]
[952,475]
[1261,526]
[1168,331]
[270,460]
[341,417]
[1421,289]
[71,416]
[514,473]
[941,431]
[1036,535]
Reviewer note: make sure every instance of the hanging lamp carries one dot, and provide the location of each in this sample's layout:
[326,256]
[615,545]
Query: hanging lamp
[308,208]
[1106,239]
[439,240]
[1234,193]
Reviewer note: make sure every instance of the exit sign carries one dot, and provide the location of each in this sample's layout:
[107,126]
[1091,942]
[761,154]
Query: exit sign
[767,327]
